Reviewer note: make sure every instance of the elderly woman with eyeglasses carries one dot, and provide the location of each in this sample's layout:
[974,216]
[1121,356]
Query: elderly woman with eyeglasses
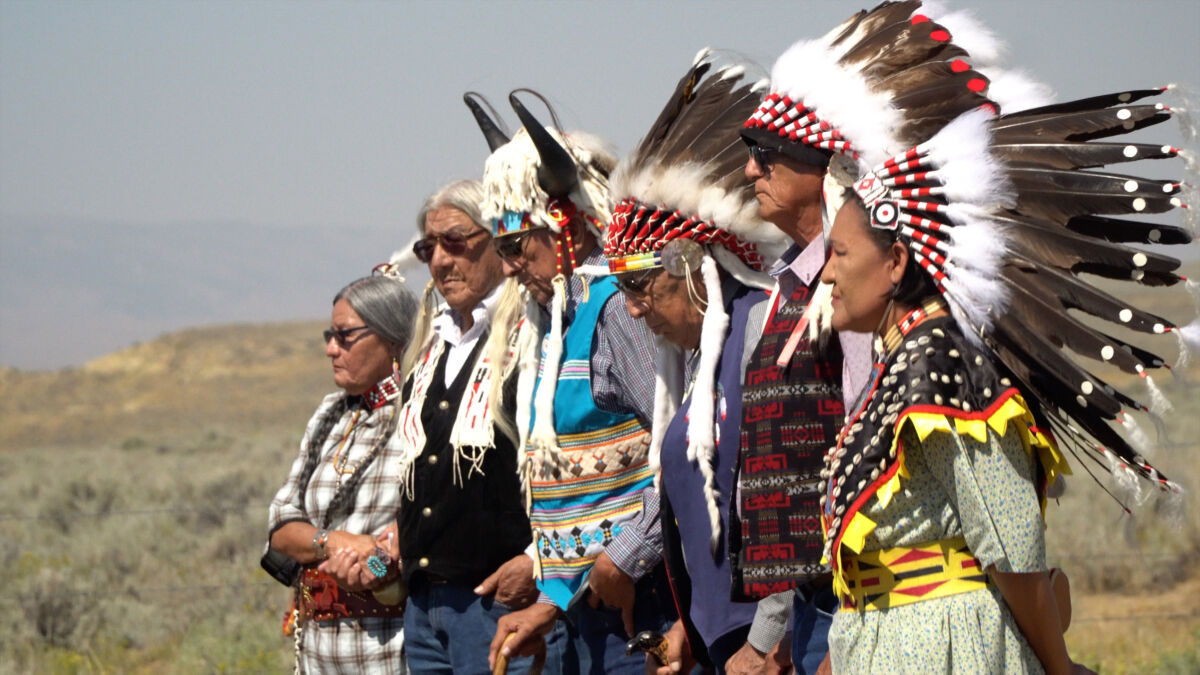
[340,496]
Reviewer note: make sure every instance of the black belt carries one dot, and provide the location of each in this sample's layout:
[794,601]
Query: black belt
[815,585]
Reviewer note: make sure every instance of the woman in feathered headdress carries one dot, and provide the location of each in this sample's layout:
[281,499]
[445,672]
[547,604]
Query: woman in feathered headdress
[884,79]
[961,254]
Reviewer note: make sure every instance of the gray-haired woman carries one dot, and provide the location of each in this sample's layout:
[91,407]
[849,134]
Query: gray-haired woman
[341,493]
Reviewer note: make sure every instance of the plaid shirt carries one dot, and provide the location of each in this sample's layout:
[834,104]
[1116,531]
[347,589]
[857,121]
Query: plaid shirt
[350,645]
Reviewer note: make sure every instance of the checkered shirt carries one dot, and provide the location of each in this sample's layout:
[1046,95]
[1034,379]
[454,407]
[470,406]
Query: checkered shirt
[347,645]
[370,645]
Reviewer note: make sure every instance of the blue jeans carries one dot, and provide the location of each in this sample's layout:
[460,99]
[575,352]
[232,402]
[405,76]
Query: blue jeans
[724,647]
[448,629]
[812,614]
[596,637]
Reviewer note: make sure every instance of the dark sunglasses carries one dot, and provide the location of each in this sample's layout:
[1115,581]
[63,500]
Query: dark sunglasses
[511,246]
[453,243]
[341,335]
[762,157]
[636,285]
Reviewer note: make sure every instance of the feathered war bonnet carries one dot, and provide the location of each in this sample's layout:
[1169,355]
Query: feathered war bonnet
[543,177]
[885,79]
[682,202]
[1005,213]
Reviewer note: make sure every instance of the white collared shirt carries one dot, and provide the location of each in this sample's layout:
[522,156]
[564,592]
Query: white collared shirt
[448,326]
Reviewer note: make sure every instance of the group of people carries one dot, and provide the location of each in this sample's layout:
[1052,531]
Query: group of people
[784,388]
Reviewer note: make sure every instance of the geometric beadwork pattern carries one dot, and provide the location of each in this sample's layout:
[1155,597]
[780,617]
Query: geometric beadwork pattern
[900,576]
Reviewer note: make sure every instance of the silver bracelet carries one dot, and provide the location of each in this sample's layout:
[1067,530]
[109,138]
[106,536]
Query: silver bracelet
[318,543]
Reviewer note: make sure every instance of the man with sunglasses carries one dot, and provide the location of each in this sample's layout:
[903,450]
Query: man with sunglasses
[788,185]
[827,117]
[590,400]
[462,523]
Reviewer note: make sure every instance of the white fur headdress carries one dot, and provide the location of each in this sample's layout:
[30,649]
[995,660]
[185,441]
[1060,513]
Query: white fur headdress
[511,181]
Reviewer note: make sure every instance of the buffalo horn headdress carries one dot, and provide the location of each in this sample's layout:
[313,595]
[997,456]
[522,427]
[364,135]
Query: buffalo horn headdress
[543,177]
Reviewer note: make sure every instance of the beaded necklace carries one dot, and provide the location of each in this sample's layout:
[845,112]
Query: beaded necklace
[339,462]
[374,398]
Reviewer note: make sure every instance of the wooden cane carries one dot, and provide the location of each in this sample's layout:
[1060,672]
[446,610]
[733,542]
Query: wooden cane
[539,658]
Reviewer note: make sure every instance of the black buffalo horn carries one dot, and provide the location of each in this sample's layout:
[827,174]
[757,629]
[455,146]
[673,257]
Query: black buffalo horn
[557,174]
[491,131]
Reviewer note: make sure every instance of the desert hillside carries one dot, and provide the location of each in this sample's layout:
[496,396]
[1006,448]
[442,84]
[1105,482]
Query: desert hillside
[224,378]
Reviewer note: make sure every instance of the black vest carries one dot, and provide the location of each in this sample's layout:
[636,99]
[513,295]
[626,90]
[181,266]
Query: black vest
[462,533]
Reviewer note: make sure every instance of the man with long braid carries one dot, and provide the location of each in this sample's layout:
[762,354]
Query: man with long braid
[462,523]
[586,398]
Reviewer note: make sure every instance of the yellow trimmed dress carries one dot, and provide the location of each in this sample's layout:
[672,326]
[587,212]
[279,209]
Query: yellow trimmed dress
[957,487]
[935,479]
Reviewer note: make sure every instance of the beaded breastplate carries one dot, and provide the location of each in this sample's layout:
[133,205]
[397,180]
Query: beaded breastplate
[935,378]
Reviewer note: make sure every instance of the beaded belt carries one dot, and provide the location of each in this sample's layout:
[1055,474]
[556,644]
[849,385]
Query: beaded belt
[900,576]
[320,598]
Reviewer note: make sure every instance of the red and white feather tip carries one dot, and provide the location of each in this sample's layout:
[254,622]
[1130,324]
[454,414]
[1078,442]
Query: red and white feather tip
[836,93]
[685,179]
[937,197]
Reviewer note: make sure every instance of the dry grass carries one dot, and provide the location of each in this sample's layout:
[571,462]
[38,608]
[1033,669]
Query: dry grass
[1157,630]
[234,376]
[142,559]
[133,497]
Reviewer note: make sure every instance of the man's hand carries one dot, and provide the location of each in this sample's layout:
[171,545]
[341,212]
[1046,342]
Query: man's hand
[779,659]
[746,661]
[612,588]
[527,627]
[512,583]
[679,653]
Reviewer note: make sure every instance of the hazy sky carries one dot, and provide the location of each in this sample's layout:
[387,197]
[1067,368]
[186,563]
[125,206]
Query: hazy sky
[147,120]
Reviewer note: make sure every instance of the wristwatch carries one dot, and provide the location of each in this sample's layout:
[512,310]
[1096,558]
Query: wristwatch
[318,543]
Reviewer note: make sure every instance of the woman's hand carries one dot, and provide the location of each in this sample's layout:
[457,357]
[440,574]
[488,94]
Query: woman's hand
[350,571]
[389,541]
[1031,599]
[362,544]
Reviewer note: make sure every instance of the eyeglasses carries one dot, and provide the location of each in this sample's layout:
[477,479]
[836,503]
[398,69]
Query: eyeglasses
[453,243]
[636,285]
[762,157]
[511,246]
[341,335]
